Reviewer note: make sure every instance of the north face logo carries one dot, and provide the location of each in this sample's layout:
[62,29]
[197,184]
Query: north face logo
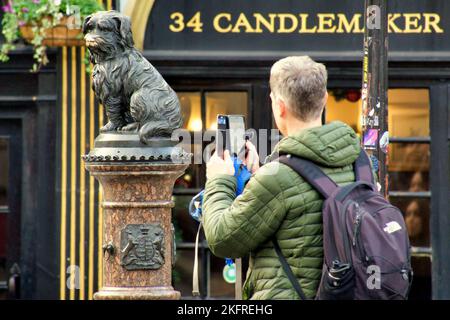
[392,226]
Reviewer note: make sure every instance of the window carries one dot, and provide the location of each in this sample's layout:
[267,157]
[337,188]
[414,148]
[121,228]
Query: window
[200,109]
[223,103]
[409,166]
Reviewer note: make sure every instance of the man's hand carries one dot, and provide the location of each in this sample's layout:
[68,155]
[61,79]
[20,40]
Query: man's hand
[217,165]
[252,158]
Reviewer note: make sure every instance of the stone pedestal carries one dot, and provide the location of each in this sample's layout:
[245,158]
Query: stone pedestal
[138,237]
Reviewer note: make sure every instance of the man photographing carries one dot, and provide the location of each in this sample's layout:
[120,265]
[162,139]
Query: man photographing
[277,202]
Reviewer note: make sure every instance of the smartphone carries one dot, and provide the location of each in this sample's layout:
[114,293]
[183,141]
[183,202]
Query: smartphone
[231,135]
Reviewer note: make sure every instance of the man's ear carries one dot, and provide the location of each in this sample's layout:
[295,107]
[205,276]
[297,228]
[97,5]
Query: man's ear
[282,108]
[325,99]
[124,27]
[324,102]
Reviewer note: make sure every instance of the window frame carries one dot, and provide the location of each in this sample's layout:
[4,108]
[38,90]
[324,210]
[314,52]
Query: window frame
[205,254]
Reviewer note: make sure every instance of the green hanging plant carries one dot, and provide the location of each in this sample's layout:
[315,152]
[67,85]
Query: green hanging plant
[33,20]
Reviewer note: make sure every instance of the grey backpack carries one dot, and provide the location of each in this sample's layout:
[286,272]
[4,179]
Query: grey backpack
[365,241]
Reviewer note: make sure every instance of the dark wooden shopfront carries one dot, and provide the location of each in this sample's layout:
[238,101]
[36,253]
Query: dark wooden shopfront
[50,206]
[218,59]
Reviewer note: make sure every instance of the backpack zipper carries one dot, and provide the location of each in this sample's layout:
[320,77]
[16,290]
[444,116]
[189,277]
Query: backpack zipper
[358,220]
[345,233]
[356,225]
[357,231]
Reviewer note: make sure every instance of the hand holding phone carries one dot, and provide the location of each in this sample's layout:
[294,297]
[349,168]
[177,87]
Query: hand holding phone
[251,157]
[231,135]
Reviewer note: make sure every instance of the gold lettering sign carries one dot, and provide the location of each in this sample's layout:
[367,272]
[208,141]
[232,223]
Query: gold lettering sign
[304,23]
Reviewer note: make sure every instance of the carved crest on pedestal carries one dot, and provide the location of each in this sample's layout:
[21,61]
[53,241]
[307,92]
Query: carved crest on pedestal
[142,247]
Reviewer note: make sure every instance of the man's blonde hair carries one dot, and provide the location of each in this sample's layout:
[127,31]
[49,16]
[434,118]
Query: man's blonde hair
[302,84]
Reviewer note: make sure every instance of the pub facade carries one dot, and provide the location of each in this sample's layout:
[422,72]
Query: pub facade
[217,57]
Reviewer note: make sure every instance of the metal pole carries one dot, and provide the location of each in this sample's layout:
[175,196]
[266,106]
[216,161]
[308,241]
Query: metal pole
[238,284]
[374,88]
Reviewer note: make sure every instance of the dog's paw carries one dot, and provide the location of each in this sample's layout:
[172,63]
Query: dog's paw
[109,127]
[131,127]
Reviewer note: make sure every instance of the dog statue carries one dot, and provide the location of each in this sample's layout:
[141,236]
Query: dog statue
[135,95]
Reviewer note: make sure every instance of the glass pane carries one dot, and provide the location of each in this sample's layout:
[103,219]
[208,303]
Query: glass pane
[185,227]
[416,212]
[182,272]
[412,158]
[409,110]
[421,285]
[412,181]
[190,179]
[219,287]
[4,170]
[191,110]
[225,103]
[344,105]
[409,113]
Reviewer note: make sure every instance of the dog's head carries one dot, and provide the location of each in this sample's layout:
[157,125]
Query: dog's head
[107,33]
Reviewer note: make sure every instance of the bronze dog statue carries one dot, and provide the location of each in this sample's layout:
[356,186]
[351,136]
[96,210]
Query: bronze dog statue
[135,95]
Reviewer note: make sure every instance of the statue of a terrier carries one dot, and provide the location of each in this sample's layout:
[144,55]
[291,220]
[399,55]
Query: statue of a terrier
[135,95]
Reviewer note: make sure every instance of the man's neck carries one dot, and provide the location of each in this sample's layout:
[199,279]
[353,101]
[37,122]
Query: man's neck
[296,126]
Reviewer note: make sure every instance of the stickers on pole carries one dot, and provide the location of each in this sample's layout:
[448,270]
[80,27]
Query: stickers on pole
[384,142]
[370,139]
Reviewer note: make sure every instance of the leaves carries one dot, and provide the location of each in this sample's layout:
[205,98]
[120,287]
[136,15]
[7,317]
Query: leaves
[40,15]
[86,7]
[10,30]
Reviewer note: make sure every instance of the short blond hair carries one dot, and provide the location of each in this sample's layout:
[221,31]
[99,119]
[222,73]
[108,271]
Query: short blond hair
[302,84]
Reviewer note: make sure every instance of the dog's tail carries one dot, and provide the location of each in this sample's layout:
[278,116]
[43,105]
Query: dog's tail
[157,128]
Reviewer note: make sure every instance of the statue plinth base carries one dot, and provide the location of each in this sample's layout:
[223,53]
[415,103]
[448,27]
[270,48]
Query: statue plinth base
[138,236]
[141,293]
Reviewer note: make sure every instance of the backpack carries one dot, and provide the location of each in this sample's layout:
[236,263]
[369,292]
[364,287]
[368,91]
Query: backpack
[365,240]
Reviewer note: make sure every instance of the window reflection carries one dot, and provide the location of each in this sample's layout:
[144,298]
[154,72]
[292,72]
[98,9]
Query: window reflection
[409,113]
[224,103]
[412,181]
[344,105]
[409,116]
[409,157]
[416,212]
[217,102]
[417,182]
[185,226]
[190,179]
[408,164]
[210,267]
[417,216]
[190,103]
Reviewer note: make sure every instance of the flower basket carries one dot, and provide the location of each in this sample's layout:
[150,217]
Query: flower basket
[44,23]
[63,34]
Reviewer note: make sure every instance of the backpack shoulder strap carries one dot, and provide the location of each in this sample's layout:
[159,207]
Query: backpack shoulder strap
[287,269]
[363,169]
[311,173]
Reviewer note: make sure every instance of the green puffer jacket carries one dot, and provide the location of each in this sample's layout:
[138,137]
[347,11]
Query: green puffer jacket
[278,202]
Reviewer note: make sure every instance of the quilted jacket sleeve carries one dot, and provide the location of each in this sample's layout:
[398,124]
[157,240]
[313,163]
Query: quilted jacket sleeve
[235,226]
